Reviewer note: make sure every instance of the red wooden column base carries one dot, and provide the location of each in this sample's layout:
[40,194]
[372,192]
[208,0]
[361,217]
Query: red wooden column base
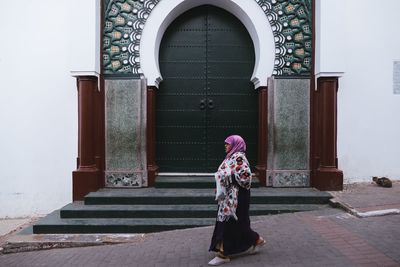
[326,176]
[151,175]
[329,179]
[87,177]
[152,167]
[261,167]
[261,172]
[84,182]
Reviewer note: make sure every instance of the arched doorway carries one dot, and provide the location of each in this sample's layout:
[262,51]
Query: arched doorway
[206,60]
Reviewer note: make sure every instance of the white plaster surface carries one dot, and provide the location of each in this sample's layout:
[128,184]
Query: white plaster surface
[84,34]
[358,38]
[41,41]
[331,31]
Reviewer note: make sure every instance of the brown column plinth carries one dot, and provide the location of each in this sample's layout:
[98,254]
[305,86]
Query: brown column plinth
[152,167]
[87,177]
[329,179]
[84,182]
[327,175]
[261,167]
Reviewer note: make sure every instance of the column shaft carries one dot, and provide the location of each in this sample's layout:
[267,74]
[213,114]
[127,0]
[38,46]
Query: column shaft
[262,134]
[328,176]
[87,177]
[152,167]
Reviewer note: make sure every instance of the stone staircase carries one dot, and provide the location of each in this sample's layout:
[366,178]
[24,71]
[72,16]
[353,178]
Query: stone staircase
[174,203]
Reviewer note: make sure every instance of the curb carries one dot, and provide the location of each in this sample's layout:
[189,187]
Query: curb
[349,209]
[335,203]
[374,213]
[26,243]
[28,246]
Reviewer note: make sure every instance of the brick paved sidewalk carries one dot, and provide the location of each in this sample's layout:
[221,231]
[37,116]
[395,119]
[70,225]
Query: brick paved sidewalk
[328,237]
[363,198]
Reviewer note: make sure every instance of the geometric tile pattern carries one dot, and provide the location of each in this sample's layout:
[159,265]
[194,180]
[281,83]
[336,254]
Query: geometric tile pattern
[291,22]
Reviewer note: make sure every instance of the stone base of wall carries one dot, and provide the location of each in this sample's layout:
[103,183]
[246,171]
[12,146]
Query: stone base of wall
[288,178]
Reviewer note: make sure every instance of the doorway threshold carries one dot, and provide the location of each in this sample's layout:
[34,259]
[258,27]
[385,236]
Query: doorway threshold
[190,174]
[186,174]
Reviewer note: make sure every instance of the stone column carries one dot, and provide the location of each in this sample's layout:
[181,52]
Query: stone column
[328,176]
[262,134]
[87,176]
[125,124]
[288,132]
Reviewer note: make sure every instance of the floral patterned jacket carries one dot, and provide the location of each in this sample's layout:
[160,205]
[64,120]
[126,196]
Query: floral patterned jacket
[236,167]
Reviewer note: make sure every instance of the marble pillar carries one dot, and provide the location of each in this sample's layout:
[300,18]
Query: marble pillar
[125,107]
[288,133]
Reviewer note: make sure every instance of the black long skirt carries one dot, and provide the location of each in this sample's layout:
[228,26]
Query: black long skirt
[236,236]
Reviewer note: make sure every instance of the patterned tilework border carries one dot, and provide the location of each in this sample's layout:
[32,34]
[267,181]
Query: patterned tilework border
[123,179]
[290,20]
[294,178]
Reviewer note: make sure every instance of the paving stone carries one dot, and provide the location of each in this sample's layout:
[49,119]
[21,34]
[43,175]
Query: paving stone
[325,237]
[298,239]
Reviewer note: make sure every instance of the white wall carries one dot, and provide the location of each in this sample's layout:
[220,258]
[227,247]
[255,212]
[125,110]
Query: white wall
[360,38]
[84,39]
[42,41]
[38,100]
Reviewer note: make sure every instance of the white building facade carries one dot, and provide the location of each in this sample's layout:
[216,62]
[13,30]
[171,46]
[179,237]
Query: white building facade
[45,127]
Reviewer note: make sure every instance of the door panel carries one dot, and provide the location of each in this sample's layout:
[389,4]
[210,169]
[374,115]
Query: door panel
[234,68]
[206,61]
[182,52]
[193,70]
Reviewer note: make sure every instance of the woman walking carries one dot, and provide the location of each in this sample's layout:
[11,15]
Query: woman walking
[232,233]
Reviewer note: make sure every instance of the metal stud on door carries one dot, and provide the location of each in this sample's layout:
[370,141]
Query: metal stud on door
[206,60]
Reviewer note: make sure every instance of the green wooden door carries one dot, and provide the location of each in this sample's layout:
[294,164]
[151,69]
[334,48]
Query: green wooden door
[206,61]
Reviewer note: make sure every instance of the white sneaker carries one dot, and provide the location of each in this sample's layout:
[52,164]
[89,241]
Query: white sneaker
[253,250]
[218,261]
[256,248]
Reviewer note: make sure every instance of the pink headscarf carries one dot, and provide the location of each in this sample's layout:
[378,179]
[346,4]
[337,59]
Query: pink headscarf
[237,144]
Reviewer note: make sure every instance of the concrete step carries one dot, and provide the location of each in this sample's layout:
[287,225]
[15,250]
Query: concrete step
[180,196]
[78,210]
[53,224]
[191,182]
[146,210]
[95,223]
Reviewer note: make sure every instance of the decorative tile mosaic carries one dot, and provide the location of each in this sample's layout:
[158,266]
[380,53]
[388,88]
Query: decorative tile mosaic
[290,20]
[289,178]
[291,23]
[121,179]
